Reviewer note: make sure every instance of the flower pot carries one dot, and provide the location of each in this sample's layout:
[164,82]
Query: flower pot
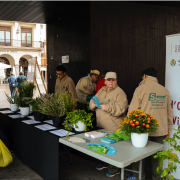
[81,126]
[57,121]
[38,116]
[14,107]
[139,140]
[24,111]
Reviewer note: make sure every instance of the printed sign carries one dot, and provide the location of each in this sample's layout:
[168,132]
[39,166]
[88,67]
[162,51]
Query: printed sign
[65,59]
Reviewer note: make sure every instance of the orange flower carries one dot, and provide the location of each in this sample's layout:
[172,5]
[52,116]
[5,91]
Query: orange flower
[134,120]
[142,115]
[136,116]
[117,131]
[148,119]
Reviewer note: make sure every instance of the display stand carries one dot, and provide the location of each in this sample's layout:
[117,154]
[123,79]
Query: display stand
[31,75]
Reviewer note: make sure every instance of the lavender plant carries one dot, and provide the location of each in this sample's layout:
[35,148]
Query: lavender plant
[51,105]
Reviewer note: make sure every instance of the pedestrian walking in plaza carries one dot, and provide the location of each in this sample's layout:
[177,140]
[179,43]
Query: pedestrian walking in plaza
[12,85]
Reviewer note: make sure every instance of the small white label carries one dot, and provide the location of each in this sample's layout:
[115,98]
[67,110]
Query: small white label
[65,59]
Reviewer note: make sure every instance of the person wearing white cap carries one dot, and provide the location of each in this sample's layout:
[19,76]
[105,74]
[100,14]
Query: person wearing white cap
[86,87]
[114,103]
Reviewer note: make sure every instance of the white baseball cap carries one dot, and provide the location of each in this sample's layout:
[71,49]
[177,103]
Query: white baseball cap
[112,75]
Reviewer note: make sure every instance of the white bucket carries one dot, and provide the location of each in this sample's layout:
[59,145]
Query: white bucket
[14,107]
[24,111]
[139,140]
[81,126]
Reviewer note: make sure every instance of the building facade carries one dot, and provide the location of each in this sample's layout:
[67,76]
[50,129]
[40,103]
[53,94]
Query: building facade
[19,42]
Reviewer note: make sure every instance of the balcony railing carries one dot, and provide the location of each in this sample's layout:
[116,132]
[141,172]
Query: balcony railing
[21,43]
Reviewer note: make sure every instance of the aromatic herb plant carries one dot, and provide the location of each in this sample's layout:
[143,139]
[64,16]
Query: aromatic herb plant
[172,157]
[25,89]
[78,115]
[68,101]
[51,105]
[16,98]
[138,122]
[33,102]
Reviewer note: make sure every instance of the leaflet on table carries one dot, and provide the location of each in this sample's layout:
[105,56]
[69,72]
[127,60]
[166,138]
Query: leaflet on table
[49,121]
[32,121]
[16,116]
[61,132]
[31,117]
[5,112]
[95,134]
[45,127]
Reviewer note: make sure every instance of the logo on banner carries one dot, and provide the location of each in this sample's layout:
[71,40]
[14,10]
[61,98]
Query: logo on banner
[173,62]
[177,48]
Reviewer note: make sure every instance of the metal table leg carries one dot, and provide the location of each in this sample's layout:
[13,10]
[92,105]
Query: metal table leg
[140,169]
[122,173]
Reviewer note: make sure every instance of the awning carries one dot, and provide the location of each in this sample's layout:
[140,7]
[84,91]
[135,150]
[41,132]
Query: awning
[4,66]
[43,69]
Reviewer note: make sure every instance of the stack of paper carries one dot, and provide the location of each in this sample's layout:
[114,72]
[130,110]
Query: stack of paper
[49,121]
[31,121]
[77,140]
[95,134]
[45,127]
[61,132]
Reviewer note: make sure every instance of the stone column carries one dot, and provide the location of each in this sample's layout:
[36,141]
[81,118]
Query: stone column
[16,70]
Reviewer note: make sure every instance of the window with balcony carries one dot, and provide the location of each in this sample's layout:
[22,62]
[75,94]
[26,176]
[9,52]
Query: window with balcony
[5,36]
[26,37]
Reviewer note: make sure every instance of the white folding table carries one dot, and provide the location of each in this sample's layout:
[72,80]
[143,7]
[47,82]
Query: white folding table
[125,155]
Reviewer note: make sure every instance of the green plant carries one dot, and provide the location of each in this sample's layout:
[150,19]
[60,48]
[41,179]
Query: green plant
[25,89]
[138,122]
[163,155]
[68,101]
[78,115]
[51,105]
[16,98]
[33,102]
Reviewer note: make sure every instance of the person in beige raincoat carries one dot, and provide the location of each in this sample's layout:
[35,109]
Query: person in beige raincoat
[86,87]
[64,83]
[113,108]
[154,99]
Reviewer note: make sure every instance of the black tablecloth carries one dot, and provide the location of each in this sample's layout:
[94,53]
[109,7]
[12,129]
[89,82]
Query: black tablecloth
[36,148]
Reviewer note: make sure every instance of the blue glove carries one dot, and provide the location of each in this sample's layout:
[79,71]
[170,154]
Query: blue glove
[96,101]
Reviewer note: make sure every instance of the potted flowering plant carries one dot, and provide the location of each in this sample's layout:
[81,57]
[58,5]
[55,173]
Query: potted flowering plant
[139,125]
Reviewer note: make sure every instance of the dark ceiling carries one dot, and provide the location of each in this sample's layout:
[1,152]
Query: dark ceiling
[34,11]
[49,11]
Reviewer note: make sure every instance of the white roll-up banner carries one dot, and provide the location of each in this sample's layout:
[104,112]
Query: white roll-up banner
[172,83]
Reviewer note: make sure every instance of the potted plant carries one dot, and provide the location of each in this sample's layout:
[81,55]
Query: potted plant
[13,104]
[139,125]
[68,101]
[52,106]
[25,89]
[171,157]
[38,116]
[80,120]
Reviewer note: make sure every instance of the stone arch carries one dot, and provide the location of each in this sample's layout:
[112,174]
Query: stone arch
[10,59]
[23,63]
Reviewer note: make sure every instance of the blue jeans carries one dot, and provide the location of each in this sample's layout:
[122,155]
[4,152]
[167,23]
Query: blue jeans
[12,92]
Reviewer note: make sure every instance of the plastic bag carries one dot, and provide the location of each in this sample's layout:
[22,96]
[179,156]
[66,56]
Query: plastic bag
[5,155]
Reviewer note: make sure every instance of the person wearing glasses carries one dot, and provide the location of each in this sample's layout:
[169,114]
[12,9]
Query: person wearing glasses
[114,103]
[64,83]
